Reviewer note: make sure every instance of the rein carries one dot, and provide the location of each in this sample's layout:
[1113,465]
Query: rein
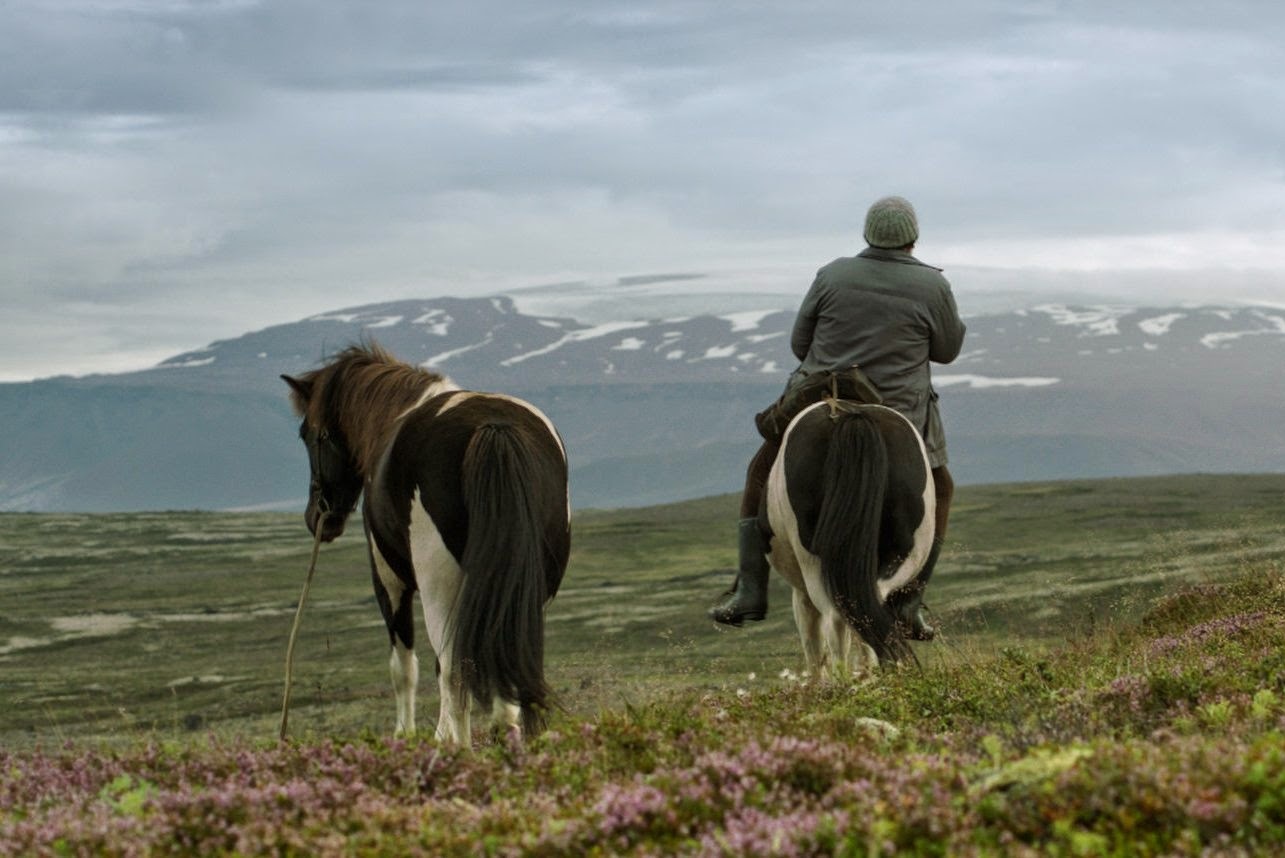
[294,630]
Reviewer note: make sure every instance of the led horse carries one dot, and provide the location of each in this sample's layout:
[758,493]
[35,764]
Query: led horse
[466,503]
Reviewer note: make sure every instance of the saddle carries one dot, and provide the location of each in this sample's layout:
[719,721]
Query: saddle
[850,384]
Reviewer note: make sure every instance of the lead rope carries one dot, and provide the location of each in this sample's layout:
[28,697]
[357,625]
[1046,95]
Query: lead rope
[294,630]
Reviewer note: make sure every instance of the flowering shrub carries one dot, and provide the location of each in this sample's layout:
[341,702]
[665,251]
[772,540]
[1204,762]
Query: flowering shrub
[1162,741]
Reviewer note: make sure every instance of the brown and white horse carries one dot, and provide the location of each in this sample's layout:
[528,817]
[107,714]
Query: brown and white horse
[466,503]
[850,505]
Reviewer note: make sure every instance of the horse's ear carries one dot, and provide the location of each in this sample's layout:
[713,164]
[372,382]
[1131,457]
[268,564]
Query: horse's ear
[302,389]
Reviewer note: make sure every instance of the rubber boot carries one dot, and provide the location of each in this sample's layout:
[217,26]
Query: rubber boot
[908,604]
[748,599]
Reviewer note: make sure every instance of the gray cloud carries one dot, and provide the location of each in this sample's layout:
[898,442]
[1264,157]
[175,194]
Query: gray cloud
[218,166]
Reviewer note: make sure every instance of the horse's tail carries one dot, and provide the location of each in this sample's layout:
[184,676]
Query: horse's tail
[498,623]
[847,531]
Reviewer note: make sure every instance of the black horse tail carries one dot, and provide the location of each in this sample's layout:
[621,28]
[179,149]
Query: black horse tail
[498,629]
[847,531]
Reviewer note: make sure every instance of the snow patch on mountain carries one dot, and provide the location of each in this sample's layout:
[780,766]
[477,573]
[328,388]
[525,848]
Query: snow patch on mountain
[189,360]
[342,318]
[629,344]
[1219,339]
[442,358]
[1158,326]
[435,322]
[665,296]
[717,352]
[747,321]
[1097,321]
[981,382]
[593,333]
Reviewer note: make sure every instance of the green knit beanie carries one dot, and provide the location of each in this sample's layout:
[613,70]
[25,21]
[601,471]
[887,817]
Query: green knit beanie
[891,223]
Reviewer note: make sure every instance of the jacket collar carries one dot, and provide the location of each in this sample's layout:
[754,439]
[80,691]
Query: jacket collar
[891,255]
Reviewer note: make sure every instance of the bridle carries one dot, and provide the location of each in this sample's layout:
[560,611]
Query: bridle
[337,452]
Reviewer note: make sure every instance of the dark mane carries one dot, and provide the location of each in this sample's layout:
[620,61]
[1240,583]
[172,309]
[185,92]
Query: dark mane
[360,393]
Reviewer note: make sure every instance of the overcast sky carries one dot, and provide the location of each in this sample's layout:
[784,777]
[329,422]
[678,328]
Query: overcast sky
[174,172]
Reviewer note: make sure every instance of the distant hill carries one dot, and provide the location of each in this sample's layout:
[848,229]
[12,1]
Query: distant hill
[657,407]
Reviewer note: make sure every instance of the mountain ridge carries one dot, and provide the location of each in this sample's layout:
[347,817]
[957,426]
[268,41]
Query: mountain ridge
[659,409]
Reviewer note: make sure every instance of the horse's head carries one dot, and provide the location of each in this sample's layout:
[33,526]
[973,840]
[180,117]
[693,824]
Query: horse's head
[335,483]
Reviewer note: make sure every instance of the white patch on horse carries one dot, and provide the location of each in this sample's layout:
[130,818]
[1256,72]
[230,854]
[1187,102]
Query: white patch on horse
[438,576]
[815,613]
[923,539]
[455,399]
[435,388]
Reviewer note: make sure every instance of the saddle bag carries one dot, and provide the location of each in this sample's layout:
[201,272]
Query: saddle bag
[849,383]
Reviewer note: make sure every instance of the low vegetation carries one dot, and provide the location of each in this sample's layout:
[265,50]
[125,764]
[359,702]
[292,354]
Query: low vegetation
[1067,710]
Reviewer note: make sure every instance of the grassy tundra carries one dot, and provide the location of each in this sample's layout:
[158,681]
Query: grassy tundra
[1109,680]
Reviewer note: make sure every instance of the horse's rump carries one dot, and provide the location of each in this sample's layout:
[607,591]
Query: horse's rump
[858,486]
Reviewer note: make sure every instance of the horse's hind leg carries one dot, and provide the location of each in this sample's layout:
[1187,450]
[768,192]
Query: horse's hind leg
[808,620]
[453,715]
[439,582]
[838,643]
[396,603]
[453,724]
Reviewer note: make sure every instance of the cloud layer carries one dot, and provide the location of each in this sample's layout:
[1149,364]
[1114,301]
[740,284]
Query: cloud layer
[176,171]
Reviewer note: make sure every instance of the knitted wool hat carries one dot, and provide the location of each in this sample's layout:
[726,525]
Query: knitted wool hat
[891,223]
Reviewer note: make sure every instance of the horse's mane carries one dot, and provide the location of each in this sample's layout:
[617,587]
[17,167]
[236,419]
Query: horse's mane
[362,391]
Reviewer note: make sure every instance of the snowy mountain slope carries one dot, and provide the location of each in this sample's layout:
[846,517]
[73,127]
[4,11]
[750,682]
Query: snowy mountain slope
[655,403]
[491,343]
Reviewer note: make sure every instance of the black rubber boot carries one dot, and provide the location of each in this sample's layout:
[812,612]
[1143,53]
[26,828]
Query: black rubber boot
[908,604]
[748,599]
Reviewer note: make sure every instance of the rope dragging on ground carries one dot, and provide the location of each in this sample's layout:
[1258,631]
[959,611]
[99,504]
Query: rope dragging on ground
[294,630]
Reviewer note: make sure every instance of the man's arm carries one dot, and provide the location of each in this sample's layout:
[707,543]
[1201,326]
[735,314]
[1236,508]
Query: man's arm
[948,329]
[805,322]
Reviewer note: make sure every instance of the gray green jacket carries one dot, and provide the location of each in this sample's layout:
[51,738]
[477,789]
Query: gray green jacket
[890,314]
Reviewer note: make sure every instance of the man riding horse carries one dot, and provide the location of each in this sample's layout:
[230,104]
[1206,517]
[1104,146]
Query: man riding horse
[888,314]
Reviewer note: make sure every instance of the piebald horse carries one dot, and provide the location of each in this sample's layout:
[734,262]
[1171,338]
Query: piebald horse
[850,505]
[466,503]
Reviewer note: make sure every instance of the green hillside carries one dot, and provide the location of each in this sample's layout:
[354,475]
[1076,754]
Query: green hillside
[1110,680]
[120,625]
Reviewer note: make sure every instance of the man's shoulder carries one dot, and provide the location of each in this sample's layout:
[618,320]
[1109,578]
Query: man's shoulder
[883,270]
[895,257]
